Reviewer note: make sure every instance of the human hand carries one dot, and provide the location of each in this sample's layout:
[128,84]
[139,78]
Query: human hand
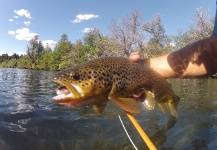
[134,57]
[137,95]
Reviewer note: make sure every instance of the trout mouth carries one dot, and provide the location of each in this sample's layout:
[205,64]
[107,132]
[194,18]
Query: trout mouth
[62,93]
[66,90]
[69,95]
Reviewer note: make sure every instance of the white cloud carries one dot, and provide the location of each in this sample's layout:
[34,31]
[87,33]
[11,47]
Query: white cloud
[10,20]
[23,34]
[82,17]
[11,32]
[23,12]
[51,43]
[16,16]
[87,30]
[27,23]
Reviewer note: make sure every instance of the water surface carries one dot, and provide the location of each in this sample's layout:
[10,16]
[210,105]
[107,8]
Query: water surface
[30,120]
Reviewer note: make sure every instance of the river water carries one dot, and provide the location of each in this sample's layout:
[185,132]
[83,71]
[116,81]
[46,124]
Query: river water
[30,120]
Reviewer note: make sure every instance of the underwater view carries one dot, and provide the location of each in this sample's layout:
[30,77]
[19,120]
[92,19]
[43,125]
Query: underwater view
[29,119]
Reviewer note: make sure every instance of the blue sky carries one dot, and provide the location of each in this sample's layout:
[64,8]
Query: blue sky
[20,20]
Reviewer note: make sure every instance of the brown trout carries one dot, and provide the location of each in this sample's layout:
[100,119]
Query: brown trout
[113,79]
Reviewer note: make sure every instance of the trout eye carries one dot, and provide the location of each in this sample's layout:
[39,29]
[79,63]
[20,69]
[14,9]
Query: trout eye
[75,76]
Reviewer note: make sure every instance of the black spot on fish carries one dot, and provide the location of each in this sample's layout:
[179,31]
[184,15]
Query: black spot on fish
[100,78]
[76,76]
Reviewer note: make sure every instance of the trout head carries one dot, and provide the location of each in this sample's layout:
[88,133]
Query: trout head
[82,85]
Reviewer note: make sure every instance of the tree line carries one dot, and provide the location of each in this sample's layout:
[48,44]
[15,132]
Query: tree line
[128,34]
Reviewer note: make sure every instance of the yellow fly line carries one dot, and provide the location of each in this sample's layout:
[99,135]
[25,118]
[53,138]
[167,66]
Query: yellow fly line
[141,132]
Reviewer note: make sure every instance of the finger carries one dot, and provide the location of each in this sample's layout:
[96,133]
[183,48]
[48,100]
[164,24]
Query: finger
[134,57]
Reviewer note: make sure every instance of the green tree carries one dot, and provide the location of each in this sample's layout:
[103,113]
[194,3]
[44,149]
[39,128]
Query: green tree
[181,40]
[14,56]
[90,45]
[159,42]
[4,57]
[45,61]
[156,30]
[64,45]
[60,53]
[47,48]
[78,53]
[12,63]
[34,50]
[24,62]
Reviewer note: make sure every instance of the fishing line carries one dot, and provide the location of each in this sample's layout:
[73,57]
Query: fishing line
[142,133]
[127,132]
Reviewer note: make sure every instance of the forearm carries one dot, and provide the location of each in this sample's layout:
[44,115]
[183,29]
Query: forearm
[195,60]
[160,65]
[198,59]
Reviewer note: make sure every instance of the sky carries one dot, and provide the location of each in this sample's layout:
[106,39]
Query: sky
[21,20]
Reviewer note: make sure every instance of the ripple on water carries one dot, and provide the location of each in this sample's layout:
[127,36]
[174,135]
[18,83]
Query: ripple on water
[15,127]
[19,126]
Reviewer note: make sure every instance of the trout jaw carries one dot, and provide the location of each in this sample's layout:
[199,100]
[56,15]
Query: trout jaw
[69,86]
[66,97]
[68,94]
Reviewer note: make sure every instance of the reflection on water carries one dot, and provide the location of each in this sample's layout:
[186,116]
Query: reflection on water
[30,120]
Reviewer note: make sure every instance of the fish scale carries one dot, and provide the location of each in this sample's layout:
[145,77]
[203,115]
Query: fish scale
[114,79]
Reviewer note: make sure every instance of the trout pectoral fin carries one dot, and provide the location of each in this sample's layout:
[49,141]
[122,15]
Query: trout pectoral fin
[127,104]
[99,107]
[149,102]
